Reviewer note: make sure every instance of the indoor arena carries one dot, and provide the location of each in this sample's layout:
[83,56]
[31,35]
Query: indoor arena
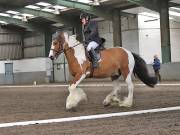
[89,67]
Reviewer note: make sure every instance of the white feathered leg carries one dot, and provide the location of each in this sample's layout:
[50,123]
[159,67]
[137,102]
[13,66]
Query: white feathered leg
[128,101]
[75,95]
[112,98]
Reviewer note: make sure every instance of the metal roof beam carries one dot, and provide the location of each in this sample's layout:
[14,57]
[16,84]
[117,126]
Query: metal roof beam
[28,26]
[98,11]
[18,3]
[172,4]
[49,16]
[150,4]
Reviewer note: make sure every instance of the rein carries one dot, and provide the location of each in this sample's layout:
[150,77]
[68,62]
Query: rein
[63,50]
[71,47]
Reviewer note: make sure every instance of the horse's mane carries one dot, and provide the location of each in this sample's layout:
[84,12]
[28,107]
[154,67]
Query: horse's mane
[71,40]
[79,50]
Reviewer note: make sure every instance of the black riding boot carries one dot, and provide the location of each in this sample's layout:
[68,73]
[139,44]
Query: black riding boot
[94,58]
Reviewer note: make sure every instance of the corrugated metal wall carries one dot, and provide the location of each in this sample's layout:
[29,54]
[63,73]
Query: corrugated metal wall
[34,45]
[10,45]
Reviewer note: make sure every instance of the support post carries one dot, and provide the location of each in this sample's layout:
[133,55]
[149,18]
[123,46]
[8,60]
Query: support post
[22,45]
[165,31]
[48,39]
[117,36]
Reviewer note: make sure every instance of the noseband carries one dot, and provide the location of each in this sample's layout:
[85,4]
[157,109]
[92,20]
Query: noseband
[57,52]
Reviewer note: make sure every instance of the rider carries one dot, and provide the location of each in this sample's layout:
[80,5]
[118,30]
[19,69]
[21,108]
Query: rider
[91,35]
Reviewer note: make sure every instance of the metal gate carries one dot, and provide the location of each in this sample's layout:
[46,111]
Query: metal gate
[9,77]
[61,72]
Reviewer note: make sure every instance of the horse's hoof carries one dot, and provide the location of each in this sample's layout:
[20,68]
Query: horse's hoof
[106,105]
[126,103]
[114,103]
[71,105]
[73,109]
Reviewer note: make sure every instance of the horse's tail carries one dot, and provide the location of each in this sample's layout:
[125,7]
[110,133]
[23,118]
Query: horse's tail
[140,69]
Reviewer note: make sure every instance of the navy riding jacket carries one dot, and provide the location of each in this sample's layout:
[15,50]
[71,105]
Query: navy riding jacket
[156,64]
[91,33]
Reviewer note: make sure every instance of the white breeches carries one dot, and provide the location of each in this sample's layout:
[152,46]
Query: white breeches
[91,45]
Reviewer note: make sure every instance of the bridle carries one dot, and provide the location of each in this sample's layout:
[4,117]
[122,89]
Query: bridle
[59,51]
[63,49]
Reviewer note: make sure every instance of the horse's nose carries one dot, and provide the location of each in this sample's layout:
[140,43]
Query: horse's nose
[51,57]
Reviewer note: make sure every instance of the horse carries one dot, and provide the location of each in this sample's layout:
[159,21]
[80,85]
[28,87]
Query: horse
[115,61]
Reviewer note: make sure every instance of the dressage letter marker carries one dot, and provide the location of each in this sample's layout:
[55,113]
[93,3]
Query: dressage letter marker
[89,117]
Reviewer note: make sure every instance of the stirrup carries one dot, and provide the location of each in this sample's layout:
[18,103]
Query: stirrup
[99,60]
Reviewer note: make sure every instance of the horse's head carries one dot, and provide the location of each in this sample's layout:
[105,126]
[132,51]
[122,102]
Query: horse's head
[57,46]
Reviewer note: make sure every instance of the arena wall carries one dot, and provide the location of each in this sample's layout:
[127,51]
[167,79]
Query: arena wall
[28,71]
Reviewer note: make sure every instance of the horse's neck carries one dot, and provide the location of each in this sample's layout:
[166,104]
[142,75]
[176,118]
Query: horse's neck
[76,54]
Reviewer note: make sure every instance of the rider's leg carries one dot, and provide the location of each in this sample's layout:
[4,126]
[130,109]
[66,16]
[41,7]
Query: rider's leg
[92,45]
[90,48]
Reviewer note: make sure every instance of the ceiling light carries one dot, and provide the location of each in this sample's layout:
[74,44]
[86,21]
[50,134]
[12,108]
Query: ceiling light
[175,8]
[56,12]
[85,1]
[12,12]
[59,7]
[96,2]
[173,13]
[152,15]
[104,0]
[17,17]
[58,24]
[170,18]
[149,14]
[3,22]
[48,10]
[33,7]
[45,4]
[28,15]
[4,14]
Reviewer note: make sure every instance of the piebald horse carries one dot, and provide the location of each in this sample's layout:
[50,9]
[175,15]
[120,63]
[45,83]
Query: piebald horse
[115,62]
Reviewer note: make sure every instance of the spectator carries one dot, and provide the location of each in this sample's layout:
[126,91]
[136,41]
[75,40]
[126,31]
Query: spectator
[156,67]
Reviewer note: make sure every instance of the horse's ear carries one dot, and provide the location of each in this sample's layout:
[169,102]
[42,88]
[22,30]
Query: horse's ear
[56,35]
[60,34]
